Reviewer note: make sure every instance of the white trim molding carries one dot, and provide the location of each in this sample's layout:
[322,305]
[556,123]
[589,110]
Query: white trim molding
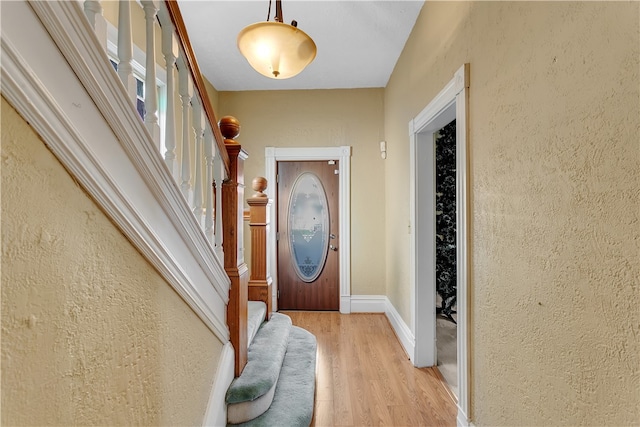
[402,330]
[343,155]
[462,419]
[216,413]
[382,304]
[451,103]
[58,77]
[369,303]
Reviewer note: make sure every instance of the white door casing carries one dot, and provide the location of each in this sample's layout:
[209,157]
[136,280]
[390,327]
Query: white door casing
[451,103]
[343,155]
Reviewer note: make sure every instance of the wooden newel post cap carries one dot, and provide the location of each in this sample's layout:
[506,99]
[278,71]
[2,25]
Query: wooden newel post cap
[259,184]
[230,128]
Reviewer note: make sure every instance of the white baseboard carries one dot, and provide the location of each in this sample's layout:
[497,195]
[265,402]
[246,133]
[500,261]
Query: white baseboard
[381,304]
[216,414]
[401,329]
[368,303]
[462,420]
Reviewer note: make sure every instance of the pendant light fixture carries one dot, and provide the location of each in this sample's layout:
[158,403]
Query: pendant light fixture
[275,49]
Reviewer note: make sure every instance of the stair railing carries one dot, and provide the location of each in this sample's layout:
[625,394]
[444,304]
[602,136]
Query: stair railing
[58,73]
[206,166]
[189,138]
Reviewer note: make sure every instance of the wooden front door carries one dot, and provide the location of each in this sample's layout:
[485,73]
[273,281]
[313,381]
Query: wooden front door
[308,241]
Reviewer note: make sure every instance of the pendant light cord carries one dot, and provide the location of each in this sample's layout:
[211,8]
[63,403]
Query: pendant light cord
[269,12]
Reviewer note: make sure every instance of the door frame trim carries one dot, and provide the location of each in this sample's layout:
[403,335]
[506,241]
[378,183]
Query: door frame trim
[343,155]
[450,103]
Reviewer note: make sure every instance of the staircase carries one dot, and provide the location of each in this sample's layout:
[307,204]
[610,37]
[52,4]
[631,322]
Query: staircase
[177,195]
[277,385]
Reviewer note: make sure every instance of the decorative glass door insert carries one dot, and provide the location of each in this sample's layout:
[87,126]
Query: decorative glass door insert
[308,219]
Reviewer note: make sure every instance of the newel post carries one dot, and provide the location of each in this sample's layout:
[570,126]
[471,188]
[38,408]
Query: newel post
[260,280]
[232,241]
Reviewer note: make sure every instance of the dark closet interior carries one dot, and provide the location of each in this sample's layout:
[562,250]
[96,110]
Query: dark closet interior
[445,144]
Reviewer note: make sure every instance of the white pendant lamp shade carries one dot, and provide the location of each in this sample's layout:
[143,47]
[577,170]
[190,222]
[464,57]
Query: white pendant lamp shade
[276,49]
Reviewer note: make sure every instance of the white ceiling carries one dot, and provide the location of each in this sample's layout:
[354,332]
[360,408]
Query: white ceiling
[359,41]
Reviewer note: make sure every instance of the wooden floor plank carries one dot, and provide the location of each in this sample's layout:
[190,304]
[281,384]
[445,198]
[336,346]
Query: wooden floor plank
[364,377]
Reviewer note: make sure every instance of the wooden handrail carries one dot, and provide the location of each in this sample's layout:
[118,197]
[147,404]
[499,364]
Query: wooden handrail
[181,31]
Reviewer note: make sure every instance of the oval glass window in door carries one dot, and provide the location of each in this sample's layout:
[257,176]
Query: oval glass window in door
[308,218]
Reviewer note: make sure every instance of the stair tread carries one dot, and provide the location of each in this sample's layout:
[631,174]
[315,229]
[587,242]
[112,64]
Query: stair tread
[256,312]
[264,360]
[294,397]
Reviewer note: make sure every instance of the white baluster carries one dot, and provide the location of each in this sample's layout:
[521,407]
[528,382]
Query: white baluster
[219,175]
[151,91]
[170,52]
[186,92]
[93,10]
[125,49]
[198,122]
[208,183]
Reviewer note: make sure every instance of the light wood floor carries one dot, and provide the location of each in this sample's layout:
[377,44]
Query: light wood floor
[364,377]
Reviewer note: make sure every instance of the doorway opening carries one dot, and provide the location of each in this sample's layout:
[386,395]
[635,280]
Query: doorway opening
[446,285]
[449,105]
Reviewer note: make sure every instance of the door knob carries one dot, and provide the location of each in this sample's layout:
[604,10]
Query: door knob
[333,248]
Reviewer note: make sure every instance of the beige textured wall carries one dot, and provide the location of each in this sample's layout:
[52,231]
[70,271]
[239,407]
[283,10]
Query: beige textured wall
[318,118]
[212,93]
[555,178]
[91,334]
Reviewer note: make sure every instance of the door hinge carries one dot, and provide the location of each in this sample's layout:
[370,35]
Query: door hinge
[277,236]
[336,171]
[277,178]
[278,293]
